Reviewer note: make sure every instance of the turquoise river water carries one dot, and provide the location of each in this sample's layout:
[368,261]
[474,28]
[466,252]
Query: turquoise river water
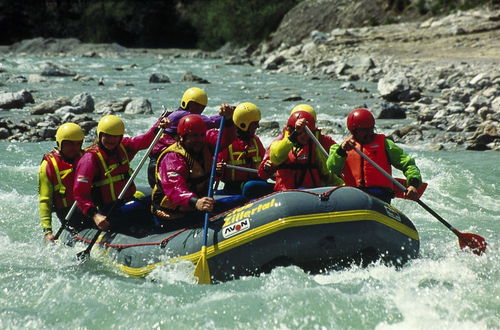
[43,286]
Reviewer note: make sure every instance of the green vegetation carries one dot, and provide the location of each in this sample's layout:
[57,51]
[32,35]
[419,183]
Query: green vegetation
[207,24]
[235,21]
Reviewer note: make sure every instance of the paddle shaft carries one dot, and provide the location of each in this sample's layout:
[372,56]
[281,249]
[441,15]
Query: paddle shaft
[212,178]
[86,252]
[66,220]
[473,241]
[318,144]
[403,188]
[241,168]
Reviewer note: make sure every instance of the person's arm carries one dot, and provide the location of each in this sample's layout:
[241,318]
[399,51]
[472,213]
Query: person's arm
[45,202]
[85,172]
[336,159]
[140,142]
[404,162]
[279,149]
[228,136]
[173,172]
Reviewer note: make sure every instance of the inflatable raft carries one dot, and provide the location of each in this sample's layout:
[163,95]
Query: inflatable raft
[316,229]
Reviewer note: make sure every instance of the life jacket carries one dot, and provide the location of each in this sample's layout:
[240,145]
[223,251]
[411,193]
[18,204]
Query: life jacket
[114,171]
[303,169]
[61,174]
[360,173]
[241,154]
[197,182]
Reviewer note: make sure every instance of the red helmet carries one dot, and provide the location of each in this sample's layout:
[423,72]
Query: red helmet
[360,118]
[311,123]
[191,124]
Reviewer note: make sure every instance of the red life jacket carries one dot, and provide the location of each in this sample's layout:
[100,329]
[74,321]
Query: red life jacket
[197,182]
[244,155]
[299,170]
[61,174]
[360,173]
[114,171]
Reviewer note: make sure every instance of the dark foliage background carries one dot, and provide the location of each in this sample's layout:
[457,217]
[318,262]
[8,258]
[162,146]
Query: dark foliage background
[207,24]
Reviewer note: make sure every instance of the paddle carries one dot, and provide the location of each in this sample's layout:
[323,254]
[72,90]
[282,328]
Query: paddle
[241,168]
[65,222]
[83,255]
[202,270]
[473,241]
[420,189]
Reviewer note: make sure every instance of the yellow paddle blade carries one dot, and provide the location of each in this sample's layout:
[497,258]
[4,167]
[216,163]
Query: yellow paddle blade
[202,271]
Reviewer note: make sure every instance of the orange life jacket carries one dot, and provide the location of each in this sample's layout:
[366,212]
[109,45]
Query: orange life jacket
[114,171]
[360,173]
[241,154]
[197,182]
[299,170]
[61,174]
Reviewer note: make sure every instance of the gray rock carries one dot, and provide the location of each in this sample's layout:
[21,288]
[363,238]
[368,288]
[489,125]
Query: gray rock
[479,101]
[17,80]
[293,97]
[110,107]
[273,62]
[52,70]
[139,106]
[495,105]
[69,109]
[269,128]
[190,77]
[394,88]
[238,60]
[319,37]
[83,78]
[83,100]
[389,111]
[15,100]
[4,133]
[159,78]
[50,106]
[361,65]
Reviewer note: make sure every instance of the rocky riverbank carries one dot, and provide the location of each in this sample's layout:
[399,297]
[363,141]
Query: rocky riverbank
[442,73]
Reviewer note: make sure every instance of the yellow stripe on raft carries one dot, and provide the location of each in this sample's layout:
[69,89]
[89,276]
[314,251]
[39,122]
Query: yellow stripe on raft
[280,224]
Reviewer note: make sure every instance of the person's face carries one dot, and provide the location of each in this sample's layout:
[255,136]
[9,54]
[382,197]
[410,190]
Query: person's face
[303,138]
[110,142]
[195,108]
[71,149]
[364,135]
[193,142]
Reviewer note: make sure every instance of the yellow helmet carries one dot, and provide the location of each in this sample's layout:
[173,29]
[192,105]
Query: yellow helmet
[245,114]
[69,132]
[304,107]
[111,125]
[194,94]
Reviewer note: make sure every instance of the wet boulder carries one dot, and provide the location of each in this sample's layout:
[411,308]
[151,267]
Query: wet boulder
[69,109]
[52,70]
[190,77]
[159,78]
[83,100]
[139,105]
[394,88]
[110,107]
[389,110]
[50,106]
[15,100]
[273,62]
